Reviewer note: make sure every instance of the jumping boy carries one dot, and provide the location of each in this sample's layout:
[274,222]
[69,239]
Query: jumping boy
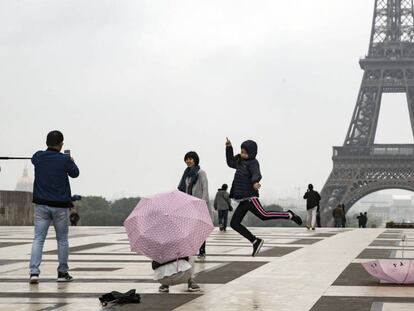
[245,189]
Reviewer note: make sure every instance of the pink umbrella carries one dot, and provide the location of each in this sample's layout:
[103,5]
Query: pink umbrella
[395,271]
[168,226]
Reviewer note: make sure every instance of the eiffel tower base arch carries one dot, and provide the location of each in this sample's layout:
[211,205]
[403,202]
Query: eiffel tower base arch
[354,177]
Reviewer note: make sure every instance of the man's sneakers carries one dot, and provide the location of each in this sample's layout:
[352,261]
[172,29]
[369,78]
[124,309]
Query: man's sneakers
[34,279]
[295,218]
[257,245]
[201,256]
[193,287]
[64,277]
[164,289]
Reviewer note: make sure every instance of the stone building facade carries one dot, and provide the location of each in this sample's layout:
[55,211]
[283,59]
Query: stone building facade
[16,208]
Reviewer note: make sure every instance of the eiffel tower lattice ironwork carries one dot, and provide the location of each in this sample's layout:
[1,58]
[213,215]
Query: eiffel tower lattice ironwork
[360,166]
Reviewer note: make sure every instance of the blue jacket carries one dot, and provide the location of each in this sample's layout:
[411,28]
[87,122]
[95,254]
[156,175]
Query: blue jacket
[247,172]
[51,184]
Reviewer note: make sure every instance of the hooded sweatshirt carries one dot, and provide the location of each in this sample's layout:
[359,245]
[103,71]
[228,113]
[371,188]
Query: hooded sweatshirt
[222,201]
[247,171]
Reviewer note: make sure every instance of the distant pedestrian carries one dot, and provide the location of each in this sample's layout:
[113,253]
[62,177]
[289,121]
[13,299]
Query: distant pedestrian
[360,220]
[222,204]
[318,217]
[74,217]
[337,214]
[365,220]
[312,198]
[194,182]
[343,215]
[245,189]
[52,199]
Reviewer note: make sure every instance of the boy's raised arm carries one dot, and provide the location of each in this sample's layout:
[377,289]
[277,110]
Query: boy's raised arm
[231,160]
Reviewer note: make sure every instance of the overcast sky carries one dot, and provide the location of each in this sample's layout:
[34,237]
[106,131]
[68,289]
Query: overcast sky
[134,85]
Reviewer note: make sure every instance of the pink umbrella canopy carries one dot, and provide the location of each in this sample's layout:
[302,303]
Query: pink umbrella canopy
[168,226]
[396,271]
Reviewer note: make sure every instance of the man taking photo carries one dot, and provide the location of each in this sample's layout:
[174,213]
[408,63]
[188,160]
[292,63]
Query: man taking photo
[52,199]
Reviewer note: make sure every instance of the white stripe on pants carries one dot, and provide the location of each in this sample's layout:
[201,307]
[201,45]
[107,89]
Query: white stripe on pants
[311,219]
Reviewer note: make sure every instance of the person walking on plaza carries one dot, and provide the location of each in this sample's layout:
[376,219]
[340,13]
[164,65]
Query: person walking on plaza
[194,182]
[337,214]
[343,215]
[312,198]
[365,220]
[52,199]
[360,220]
[222,204]
[245,189]
[318,217]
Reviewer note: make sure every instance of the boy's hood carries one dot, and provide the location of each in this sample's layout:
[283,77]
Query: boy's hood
[251,147]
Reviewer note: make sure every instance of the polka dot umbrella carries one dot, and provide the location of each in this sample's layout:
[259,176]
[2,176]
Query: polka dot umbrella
[168,226]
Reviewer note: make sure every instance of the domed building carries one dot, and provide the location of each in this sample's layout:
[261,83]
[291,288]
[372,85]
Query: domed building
[25,182]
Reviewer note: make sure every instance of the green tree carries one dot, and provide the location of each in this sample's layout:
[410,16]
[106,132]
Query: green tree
[97,211]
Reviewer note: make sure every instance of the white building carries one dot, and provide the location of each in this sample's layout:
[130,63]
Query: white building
[25,182]
[402,209]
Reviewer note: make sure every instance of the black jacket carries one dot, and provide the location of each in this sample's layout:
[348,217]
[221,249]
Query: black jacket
[52,171]
[247,172]
[312,199]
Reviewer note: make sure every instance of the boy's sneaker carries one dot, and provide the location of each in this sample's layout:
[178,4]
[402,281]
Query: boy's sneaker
[164,289]
[64,277]
[313,228]
[193,287]
[34,279]
[257,245]
[295,218]
[307,227]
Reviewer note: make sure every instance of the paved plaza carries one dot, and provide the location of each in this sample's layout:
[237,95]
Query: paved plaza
[296,270]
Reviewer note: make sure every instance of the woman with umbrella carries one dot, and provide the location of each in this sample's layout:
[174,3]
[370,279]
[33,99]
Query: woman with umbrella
[170,227]
[194,182]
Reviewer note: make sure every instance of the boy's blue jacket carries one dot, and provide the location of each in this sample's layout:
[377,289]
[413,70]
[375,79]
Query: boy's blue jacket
[51,184]
[247,171]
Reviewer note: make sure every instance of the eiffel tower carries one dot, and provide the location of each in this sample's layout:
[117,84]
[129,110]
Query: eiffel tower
[360,166]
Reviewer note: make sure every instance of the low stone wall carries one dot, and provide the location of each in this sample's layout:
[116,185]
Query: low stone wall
[16,208]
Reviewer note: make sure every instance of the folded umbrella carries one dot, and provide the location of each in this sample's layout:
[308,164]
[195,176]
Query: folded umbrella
[168,226]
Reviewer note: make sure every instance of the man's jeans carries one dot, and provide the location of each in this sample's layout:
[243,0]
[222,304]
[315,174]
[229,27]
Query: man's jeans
[44,215]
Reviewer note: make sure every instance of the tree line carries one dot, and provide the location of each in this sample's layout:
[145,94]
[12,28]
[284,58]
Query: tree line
[98,211]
